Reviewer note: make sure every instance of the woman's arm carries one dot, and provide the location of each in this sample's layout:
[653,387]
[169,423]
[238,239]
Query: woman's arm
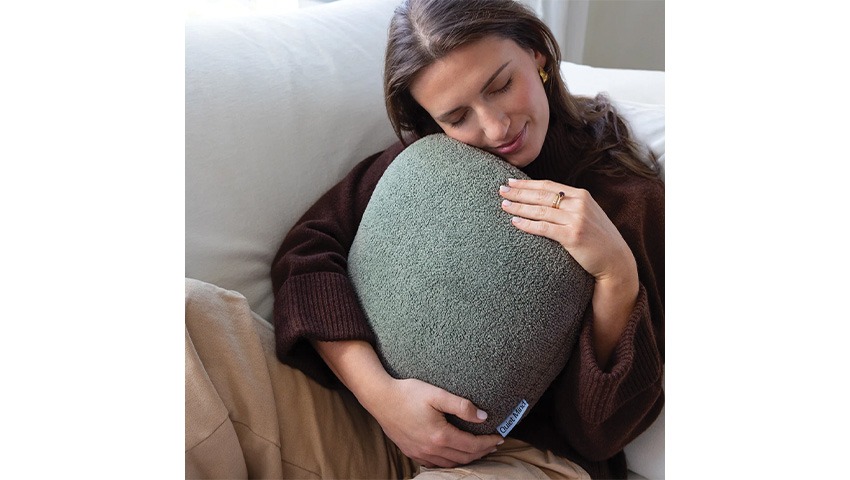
[314,299]
[411,412]
[317,314]
[583,228]
[610,390]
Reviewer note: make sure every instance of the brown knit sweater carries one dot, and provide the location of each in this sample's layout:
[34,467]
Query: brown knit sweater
[589,413]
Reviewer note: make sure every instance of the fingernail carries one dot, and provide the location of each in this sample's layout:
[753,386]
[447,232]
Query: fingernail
[500,442]
[482,414]
[506,203]
[504,188]
[494,450]
[512,181]
[516,220]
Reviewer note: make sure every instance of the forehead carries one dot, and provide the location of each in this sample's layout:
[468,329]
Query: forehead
[465,70]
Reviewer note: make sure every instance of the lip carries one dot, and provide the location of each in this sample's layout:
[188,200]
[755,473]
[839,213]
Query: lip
[515,144]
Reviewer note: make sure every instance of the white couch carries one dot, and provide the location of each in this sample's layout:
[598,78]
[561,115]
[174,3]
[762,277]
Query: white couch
[264,94]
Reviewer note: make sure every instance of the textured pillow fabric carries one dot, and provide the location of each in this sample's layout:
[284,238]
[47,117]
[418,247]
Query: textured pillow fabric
[457,296]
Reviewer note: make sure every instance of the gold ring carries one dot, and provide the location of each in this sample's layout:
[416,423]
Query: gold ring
[557,202]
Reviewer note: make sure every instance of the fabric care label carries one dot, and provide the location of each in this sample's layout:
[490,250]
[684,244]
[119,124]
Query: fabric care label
[510,422]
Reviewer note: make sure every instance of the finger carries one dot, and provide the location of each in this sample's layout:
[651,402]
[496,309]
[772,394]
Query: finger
[543,229]
[455,438]
[540,192]
[433,455]
[458,406]
[547,185]
[532,196]
[535,212]
[456,445]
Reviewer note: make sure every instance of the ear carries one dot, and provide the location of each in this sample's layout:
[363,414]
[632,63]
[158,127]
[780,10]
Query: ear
[539,59]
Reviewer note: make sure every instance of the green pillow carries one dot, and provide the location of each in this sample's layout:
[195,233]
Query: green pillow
[456,295]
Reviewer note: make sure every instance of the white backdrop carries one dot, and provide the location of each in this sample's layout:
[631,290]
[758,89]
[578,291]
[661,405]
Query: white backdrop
[609,34]
[568,21]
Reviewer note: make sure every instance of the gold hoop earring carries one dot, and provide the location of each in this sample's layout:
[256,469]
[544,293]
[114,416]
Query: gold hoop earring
[543,75]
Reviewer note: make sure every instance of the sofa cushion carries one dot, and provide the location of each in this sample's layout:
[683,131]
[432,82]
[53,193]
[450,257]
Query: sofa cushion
[646,122]
[457,296]
[640,86]
[278,109]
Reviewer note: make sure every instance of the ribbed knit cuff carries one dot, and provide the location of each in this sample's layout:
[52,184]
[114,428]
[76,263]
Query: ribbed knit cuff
[318,306]
[636,366]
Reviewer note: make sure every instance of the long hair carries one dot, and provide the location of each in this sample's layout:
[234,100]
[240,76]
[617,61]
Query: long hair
[423,31]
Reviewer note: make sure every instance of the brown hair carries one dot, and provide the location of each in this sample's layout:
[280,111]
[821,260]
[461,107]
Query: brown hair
[422,31]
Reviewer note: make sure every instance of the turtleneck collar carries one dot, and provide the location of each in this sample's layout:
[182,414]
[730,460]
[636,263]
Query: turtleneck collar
[553,163]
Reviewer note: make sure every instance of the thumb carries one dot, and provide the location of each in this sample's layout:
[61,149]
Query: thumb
[459,407]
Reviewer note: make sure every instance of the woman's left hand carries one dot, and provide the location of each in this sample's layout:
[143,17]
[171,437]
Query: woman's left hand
[580,225]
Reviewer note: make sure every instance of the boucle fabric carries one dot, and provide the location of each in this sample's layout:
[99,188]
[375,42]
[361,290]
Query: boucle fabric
[590,411]
[456,295]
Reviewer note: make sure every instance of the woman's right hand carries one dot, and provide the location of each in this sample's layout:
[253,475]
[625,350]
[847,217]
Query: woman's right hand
[412,414]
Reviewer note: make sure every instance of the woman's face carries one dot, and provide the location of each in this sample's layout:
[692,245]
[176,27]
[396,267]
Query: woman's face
[488,94]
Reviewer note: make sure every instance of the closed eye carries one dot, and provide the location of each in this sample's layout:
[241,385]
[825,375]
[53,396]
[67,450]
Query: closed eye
[459,121]
[505,88]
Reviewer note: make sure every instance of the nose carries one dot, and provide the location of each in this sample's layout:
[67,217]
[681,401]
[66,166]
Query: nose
[495,125]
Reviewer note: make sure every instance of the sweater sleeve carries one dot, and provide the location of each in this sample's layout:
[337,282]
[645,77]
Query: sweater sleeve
[314,299]
[600,409]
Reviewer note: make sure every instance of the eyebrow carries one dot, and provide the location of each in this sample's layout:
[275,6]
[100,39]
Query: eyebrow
[444,116]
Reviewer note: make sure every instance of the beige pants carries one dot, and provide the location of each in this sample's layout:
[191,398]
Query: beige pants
[250,416]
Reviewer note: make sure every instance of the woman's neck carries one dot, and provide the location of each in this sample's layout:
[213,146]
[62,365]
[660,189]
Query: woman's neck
[554,161]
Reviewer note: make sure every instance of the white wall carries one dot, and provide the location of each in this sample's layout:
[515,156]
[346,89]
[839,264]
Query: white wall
[607,33]
[625,34]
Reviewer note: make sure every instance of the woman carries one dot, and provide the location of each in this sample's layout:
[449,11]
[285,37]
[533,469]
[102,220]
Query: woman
[486,73]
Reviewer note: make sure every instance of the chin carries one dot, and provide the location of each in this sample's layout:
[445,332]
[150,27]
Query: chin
[519,163]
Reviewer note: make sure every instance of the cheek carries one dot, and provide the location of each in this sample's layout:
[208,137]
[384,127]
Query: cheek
[543,105]
[542,110]
[532,101]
